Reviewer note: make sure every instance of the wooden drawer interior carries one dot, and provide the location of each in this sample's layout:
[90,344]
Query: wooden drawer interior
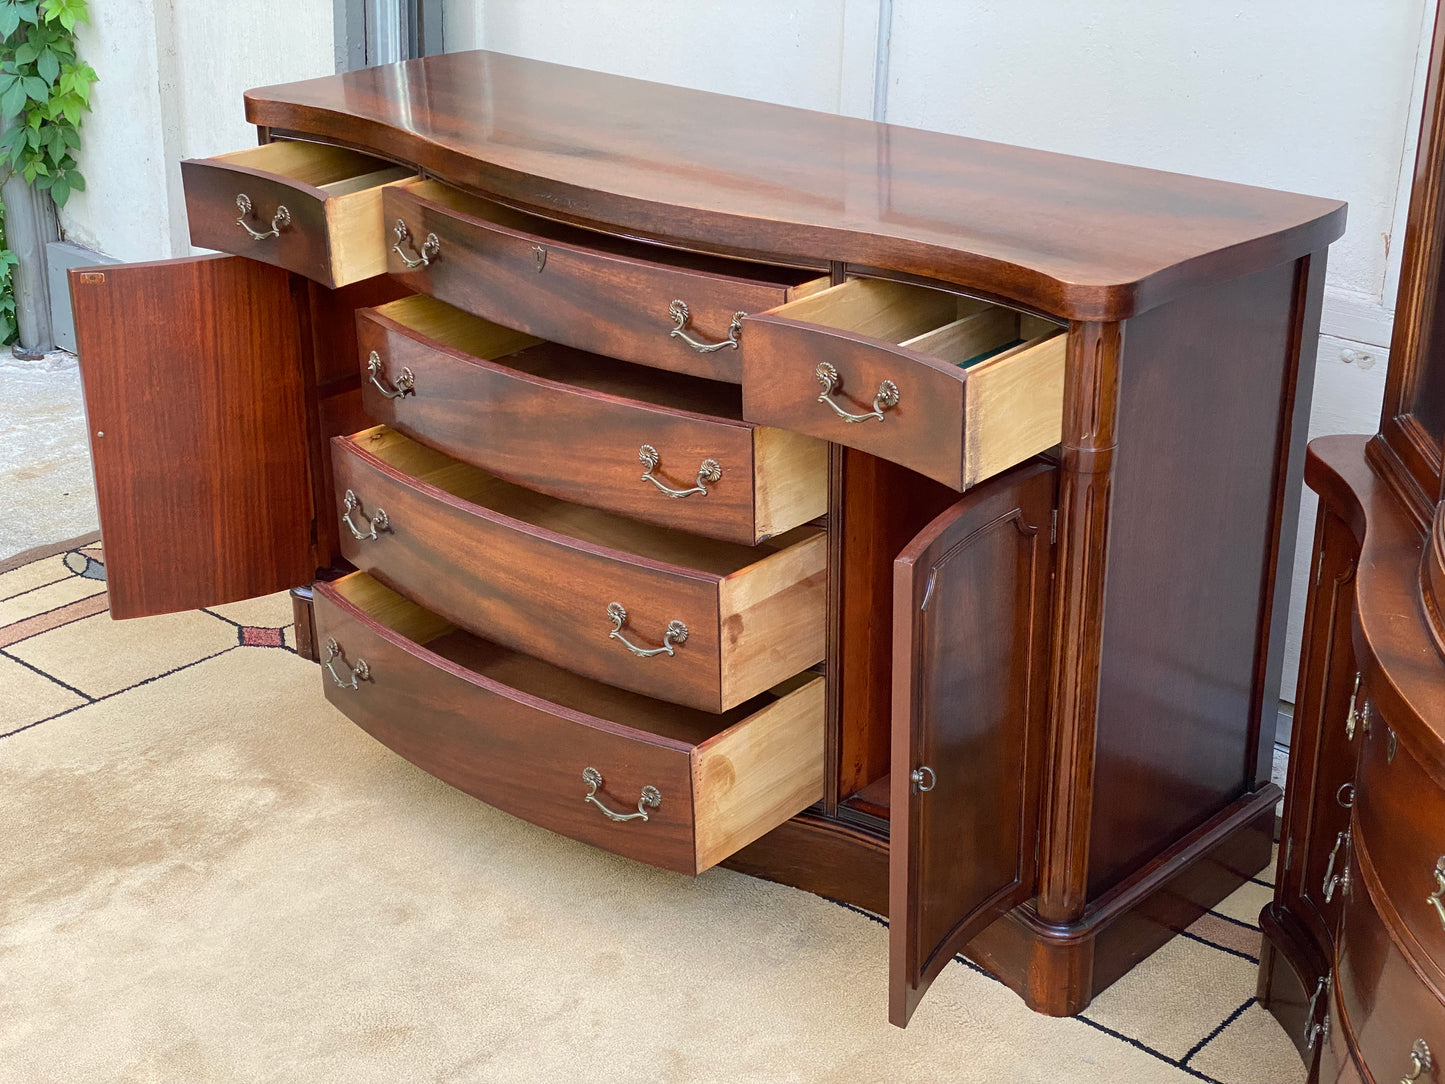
[952,329]
[334,231]
[449,326]
[953,387]
[749,768]
[590,525]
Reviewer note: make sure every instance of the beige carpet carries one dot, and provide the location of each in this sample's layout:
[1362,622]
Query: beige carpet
[210,875]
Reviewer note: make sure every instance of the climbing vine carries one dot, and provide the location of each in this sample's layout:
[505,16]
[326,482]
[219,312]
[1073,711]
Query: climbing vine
[44,92]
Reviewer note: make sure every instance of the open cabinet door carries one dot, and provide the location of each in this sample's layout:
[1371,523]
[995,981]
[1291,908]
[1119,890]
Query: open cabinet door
[195,398]
[970,682]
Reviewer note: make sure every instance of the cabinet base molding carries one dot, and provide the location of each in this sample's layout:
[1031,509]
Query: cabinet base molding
[1057,970]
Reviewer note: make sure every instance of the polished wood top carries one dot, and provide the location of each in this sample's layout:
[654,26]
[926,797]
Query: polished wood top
[1069,236]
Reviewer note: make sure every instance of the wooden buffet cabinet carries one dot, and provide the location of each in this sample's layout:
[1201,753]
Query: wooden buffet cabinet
[889,514]
[1354,939]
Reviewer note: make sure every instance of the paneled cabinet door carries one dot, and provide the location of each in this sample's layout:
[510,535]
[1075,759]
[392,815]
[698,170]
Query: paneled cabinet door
[970,683]
[196,404]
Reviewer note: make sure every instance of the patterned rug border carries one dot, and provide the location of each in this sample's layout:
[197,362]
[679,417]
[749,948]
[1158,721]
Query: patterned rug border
[39,553]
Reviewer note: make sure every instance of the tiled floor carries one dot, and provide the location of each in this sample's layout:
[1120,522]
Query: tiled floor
[1189,1010]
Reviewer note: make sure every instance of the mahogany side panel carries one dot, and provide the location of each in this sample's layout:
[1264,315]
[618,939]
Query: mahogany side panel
[196,402]
[1193,534]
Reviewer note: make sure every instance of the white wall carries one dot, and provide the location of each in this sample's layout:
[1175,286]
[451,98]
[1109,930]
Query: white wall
[1316,96]
[171,77]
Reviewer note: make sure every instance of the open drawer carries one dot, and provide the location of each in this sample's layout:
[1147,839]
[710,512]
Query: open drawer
[666,308]
[690,620]
[677,788]
[657,446]
[952,387]
[308,207]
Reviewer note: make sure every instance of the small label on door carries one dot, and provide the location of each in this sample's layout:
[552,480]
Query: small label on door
[92,278]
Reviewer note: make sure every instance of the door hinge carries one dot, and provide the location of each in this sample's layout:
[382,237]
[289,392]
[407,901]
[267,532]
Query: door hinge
[1054,527]
[1288,852]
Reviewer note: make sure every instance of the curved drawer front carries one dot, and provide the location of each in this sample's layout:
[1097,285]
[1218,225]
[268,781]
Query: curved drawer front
[307,207]
[1388,1003]
[576,426]
[1400,814]
[520,734]
[711,624]
[579,288]
[953,388]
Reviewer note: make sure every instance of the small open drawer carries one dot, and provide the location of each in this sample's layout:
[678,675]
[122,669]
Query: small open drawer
[643,303]
[952,387]
[692,620]
[308,207]
[674,787]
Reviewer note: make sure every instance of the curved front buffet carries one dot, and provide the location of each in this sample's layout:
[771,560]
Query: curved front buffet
[889,514]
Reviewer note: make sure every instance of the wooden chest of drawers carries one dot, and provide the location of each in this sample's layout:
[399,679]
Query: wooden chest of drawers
[762,487]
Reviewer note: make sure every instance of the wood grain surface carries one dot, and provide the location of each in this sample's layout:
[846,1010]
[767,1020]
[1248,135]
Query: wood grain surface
[1070,236]
[571,424]
[582,289]
[518,733]
[538,575]
[195,399]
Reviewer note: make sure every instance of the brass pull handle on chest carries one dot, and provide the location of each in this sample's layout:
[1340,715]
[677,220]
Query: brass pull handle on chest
[1331,881]
[1436,899]
[650,798]
[404,386]
[378,522]
[1317,1027]
[430,248]
[886,398]
[1420,1062]
[676,634]
[354,674]
[680,316]
[709,471]
[279,221]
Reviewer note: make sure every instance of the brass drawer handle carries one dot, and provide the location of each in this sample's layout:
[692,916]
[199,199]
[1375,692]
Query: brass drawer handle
[651,798]
[680,316]
[279,221]
[1436,899]
[1352,720]
[676,634]
[405,386]
[1317,1028]
[709,471]
[828,376]
[1332,882]
[1420,1062]
[378,522]
[429,248]
[354,674]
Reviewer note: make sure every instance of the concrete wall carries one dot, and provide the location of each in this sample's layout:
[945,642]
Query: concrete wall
[171,77]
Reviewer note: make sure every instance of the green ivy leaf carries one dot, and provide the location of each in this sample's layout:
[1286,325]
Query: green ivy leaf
[48,65]
[12,99]
[27,52]
[77,182]
[60,191]
[36,87]
[9,20]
